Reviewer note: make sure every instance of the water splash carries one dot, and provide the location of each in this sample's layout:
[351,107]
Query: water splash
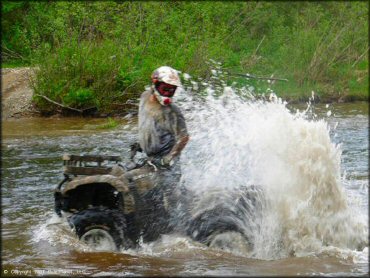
[238,139]
[166,246]
[57,232]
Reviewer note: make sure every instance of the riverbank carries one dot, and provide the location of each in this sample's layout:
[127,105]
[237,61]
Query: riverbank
[17,96]
[16,93]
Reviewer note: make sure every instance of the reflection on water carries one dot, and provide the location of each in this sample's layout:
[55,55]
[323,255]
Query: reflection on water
[31,167]
[55,126]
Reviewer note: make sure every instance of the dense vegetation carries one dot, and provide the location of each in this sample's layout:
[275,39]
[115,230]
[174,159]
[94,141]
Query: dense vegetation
[101,54]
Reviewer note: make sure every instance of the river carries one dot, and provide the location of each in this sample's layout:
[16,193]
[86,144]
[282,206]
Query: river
[299,237]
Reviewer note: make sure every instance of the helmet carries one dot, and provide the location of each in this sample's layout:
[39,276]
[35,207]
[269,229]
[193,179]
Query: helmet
[165,80]
[167,75]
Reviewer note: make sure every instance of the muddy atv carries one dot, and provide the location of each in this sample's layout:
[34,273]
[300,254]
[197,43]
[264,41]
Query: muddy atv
[108,208]
[112,207]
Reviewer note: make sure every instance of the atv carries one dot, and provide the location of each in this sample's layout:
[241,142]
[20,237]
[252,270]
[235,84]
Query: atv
[114,206]
[105,206]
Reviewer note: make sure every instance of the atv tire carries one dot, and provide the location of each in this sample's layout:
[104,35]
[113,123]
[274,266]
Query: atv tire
[101,228]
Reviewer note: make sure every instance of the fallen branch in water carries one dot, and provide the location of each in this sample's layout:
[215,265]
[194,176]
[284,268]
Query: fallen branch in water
[59,104]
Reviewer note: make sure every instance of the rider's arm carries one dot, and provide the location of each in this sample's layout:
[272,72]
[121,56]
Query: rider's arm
[182,138]
[176,150]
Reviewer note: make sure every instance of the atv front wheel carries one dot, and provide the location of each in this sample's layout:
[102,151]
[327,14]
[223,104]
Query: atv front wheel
[101,228]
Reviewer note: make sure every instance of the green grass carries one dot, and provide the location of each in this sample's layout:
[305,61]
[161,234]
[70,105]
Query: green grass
[14,64]
[101,54]
[110,124]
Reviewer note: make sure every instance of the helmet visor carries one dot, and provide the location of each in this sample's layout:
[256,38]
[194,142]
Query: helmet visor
[166,90]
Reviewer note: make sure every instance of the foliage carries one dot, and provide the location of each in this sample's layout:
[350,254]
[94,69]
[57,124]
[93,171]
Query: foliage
[101,53]
[111,123]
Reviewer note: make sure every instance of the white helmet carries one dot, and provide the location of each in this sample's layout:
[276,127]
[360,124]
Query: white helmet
[167,75]
[165,82]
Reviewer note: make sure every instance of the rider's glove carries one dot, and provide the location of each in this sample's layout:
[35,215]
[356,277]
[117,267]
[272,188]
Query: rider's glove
[161,162]
[167,161]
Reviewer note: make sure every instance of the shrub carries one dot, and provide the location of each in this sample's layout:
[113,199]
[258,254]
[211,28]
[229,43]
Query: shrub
[110,48]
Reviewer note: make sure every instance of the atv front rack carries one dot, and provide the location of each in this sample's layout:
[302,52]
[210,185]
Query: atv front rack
[82,165]
[89,164]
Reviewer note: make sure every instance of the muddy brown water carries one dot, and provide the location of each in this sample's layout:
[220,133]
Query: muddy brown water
[31,167]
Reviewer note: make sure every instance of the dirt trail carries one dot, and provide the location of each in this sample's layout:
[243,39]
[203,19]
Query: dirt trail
[16,93]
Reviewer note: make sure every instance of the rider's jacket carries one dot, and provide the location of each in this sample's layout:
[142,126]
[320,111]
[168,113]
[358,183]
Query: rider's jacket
[160,127]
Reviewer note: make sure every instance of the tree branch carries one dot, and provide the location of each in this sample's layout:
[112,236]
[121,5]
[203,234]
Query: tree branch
[257,77]
[56,103]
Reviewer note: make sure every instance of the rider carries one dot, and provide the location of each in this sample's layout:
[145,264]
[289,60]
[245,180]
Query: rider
[162,128]
[162,136]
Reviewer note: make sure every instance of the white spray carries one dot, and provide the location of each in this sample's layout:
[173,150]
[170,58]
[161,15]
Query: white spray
[240,141]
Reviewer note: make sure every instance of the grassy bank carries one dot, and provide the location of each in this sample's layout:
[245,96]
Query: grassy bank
[101,54]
